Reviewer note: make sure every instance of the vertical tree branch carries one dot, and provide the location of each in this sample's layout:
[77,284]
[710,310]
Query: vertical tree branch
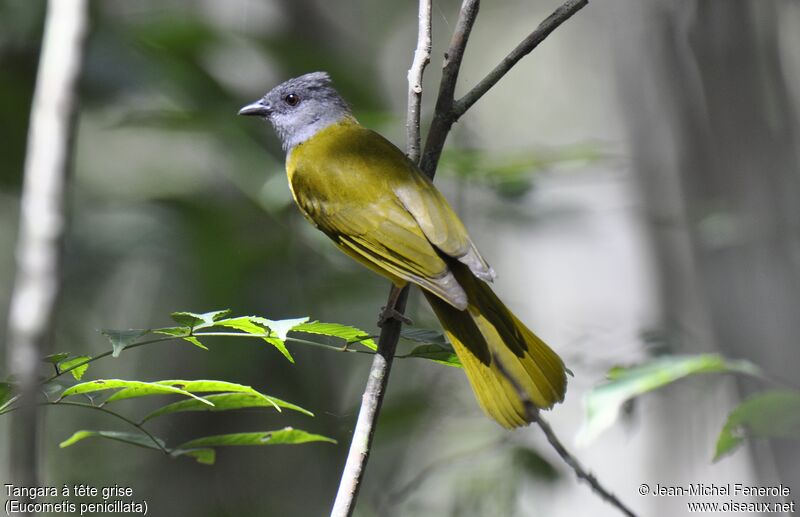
[443,114]
[422,56]
[443,119]
[38,251]
[371,401]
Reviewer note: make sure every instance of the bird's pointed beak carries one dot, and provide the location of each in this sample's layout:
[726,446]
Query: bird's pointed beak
[260,108]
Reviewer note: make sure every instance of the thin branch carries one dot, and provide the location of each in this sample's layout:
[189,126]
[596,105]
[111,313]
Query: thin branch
[106,354]
[102,409]
[422,56]
[211,334]
[551,23]
[448,110]
[38,252]
[533,415]
[443,117]
[371,401]
[361,443]
[114,414]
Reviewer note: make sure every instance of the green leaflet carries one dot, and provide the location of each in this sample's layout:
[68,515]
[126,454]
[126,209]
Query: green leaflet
[120,339]
[603,403]
[78,364]
[198,386]
[771,414]
[426,336]
[285,436]
[225,402]
[142,388]
[138,439]
[194,320]
[437,353]
[349,334]
[55,358]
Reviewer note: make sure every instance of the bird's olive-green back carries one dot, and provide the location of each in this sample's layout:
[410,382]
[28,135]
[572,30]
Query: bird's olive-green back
[366,195]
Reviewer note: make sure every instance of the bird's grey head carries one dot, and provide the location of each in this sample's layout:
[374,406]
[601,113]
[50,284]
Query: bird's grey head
[300,107]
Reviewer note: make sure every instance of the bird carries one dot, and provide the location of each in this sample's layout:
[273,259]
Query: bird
[379,208]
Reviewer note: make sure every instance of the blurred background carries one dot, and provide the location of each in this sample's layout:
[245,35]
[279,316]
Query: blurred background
[634,182]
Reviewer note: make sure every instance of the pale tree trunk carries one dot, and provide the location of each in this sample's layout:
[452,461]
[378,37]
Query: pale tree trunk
[714,142]
[38,250]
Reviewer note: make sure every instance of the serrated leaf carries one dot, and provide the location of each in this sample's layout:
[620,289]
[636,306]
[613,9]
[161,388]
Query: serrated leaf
[603,403]
[437,353]
[120,339]
[428,336]
[194,320]
[138,439]
[281,346]
[255,325]
[349,334]
[172,331]
[196,342]
[203,456]
[144,388]
[6,394]
[771,414]
[77,371]
[280,327]
[55,358]
[286,436]
[243,323]
[225,402]
[196,386]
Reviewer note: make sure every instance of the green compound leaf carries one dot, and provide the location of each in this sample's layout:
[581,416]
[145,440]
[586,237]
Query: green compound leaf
[77,371]
[120,339]
[243,323]
[55,358]
[137,439]
[286,436]
[603,403]
[442,354]
[141,388]
[194,320]
[196,342]
[226,402]
[6,394]
[260,327]
[350,335]
[427,336]
[198,386]
[280,328]
[181,332]
[203,456]
[771,414]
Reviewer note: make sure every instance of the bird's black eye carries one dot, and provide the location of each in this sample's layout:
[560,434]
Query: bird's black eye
[292,99]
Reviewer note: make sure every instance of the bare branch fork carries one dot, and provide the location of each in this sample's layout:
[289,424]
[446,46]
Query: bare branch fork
[447,112]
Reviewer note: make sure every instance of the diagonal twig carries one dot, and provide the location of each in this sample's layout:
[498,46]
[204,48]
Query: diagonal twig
[533,415]
[551,23]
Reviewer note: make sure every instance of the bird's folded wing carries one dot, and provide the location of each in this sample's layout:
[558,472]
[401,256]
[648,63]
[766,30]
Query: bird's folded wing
[386,236]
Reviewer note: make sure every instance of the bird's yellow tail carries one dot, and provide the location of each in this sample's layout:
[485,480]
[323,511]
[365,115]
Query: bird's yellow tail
[487,332]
